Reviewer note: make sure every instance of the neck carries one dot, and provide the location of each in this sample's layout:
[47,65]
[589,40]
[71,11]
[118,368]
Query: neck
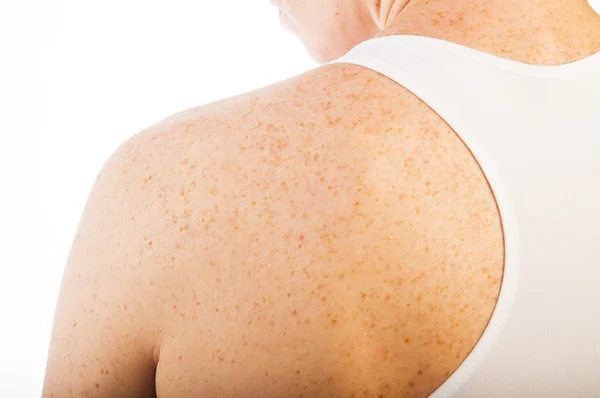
[425,16]
[386,13]
[511,25]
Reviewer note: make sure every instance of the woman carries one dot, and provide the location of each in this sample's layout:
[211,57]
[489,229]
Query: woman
[357,230]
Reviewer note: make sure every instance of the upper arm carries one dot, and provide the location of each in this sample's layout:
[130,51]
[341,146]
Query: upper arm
[103,335]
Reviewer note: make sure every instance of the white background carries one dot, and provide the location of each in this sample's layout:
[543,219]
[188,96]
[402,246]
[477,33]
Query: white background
[77,78]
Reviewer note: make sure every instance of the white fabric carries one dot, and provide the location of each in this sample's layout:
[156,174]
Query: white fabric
[535,131]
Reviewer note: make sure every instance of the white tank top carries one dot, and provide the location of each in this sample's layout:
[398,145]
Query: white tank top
[535,131]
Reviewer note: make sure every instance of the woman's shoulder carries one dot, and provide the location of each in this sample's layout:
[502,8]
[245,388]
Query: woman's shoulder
[331,179]
[345,91]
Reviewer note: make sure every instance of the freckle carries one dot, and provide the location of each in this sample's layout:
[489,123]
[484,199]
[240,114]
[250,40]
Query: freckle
[221,358]
[295,313]
[341,276]
[447,374]
[182,193]
[150,243]
[216,310]
[363,295]
[411,383]
[323,299]
[289,294]
[182,314]
[197,303]
[334,321]
[97,385]
[125,307]
[372,326]
[406,340]
[181,356]
[132,217]
[74,324]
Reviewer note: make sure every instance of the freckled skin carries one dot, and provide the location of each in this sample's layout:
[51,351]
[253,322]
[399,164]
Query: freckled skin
[326,236]
[508,28]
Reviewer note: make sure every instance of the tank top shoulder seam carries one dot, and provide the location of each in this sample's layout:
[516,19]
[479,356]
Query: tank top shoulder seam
[423,44]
